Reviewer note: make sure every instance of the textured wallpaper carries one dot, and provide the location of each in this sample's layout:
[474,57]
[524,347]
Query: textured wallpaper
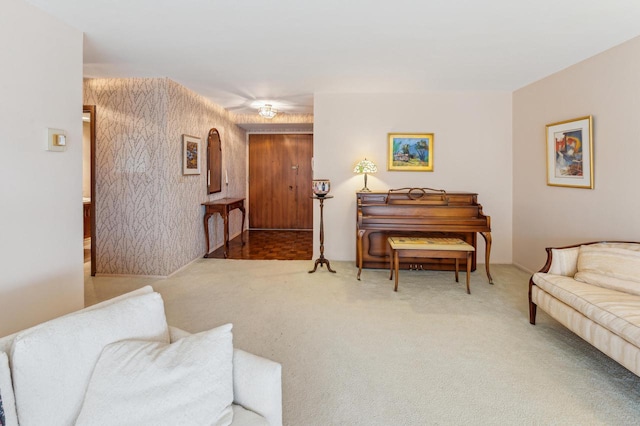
[148,215]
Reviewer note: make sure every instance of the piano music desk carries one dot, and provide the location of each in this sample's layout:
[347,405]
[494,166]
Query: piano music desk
[439,248]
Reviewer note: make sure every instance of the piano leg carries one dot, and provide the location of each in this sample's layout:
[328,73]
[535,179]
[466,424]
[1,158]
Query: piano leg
[487,253]
[359,244]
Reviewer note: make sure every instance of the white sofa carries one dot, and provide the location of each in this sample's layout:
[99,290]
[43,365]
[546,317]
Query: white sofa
[118,362]
[593,289]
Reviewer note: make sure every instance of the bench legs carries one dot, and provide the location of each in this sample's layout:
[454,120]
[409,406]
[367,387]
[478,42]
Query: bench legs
[394,266]
[468,271]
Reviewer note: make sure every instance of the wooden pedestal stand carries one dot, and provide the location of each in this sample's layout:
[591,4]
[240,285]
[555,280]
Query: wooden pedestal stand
[321,260]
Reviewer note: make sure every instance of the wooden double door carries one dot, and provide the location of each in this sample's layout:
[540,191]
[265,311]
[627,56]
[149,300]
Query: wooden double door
[280,175]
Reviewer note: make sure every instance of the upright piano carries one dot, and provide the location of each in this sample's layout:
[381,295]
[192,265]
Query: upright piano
[418,212]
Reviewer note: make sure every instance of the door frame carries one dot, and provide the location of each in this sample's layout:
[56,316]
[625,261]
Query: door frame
[91,110]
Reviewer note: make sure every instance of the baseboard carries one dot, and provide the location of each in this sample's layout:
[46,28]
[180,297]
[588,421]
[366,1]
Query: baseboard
[195,259]
[522,268]
[157,277]
[162,277]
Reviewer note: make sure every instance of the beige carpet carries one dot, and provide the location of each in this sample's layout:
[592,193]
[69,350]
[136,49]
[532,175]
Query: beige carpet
[356,353]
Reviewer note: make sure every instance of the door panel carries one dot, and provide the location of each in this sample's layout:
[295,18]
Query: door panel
[280,181]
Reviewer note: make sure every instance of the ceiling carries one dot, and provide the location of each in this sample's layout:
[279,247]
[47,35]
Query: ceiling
[239,53]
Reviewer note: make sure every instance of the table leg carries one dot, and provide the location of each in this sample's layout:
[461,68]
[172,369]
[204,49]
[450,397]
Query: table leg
[457,266]
[242,228]
[206,232]
[225,218]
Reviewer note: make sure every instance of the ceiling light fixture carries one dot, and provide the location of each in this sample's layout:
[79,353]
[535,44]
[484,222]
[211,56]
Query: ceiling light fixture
[267,111]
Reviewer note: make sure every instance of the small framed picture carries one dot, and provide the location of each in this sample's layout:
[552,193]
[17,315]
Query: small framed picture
[190,155]
[411,152]
[570,153]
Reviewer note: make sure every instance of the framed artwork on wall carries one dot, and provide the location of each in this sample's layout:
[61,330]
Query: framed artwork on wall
[190,155]
[411,152]
[570,153]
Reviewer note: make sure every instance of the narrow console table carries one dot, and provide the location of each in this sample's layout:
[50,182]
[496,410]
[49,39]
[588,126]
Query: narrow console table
[223,207]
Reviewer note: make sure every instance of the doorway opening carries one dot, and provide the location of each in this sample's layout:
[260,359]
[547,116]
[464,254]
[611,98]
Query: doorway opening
[280,203]
[89,184]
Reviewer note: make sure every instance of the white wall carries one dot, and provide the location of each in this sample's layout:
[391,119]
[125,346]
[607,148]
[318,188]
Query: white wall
[472,152]
[41,257]
[606,86]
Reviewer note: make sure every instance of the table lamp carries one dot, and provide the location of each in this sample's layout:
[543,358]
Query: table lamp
[365,166]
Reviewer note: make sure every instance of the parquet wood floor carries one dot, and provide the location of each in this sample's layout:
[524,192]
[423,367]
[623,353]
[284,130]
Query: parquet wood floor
[269,245]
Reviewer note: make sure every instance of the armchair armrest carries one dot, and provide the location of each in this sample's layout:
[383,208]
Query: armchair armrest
[257,385]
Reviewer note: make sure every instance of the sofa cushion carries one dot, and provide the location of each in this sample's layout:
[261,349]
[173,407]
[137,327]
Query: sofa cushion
[52,363]
[609,343]
[188,382]
[610,265]
[8,416]
[616,311]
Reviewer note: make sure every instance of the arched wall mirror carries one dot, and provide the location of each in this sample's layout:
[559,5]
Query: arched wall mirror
[214,162]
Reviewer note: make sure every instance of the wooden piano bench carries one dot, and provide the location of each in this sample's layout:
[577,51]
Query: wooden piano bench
[439,248]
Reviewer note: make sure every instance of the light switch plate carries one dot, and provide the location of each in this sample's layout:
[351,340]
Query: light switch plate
[56,140]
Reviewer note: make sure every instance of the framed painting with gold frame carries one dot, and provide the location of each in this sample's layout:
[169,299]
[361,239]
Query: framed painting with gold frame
[411,152]
[570,153]
[190,155]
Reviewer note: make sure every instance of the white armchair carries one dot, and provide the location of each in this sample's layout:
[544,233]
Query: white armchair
[48,372]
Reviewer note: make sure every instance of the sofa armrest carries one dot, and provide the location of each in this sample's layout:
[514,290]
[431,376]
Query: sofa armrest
[560,261]
[257,385]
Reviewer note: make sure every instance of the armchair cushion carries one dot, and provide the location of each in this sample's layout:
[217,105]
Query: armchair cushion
[186,382]
[257,385]
[51,364]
